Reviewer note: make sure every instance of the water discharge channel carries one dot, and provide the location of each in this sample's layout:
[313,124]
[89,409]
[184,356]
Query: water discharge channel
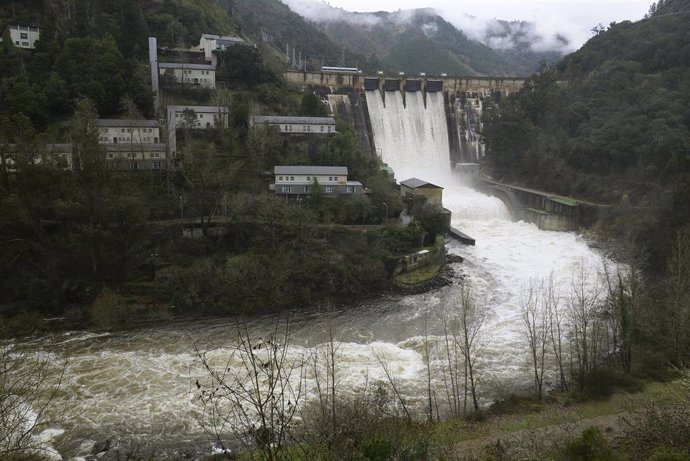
[136,387]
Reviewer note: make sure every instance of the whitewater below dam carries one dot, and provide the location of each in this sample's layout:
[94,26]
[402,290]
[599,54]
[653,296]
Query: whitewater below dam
[138,387]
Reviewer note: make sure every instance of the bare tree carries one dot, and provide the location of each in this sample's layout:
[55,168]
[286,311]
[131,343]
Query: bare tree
[555,326]
[536,325]
[26,394]
[254,395]
[585,293]
[679,295]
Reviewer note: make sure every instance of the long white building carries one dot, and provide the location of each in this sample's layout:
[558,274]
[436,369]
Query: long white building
[202,75]
[116,131]
[296,125]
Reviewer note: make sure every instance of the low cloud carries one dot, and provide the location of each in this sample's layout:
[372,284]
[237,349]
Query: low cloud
[553,26]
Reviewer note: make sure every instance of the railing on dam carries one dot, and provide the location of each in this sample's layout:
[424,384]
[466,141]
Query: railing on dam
[425,83]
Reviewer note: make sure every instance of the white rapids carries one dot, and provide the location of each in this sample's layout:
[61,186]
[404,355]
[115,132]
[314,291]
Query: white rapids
[137,387]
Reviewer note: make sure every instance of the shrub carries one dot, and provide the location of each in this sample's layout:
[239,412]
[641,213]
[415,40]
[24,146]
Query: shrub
[602,382]
[656,366]
[108,310]
[590,446]
[664,454]
[652,425]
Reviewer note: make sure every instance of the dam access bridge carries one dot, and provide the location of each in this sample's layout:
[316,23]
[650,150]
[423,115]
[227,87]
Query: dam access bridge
[400,82]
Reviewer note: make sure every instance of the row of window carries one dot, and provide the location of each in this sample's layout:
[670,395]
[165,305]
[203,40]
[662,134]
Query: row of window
[179,115]
[135,165]
[327,189]
[203,72]
[129,130]
[307,128]
[309,178]
[134,155]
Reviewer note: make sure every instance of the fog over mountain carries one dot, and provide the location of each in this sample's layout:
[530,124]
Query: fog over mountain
[498,34]
[546,25]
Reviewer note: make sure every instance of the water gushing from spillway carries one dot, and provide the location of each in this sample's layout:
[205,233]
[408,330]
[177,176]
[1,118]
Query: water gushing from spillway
[137,387]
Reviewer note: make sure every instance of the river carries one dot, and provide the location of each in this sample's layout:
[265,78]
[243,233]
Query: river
[138,387]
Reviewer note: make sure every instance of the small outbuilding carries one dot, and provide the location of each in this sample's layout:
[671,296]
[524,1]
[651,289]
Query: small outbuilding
[415,187]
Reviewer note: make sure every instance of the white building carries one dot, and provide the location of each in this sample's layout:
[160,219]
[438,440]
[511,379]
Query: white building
[112,131]
[144,156]
[208,43]
[202,75]
[300,180]
[194,117]
[296,125]
[24,36]
[56,154]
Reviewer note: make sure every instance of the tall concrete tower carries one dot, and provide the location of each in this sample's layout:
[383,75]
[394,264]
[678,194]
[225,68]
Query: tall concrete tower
[153,61]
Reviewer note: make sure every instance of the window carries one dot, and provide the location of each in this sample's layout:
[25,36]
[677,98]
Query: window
[304,127]
[286,189]
[330,128]
[156,165]
[308,128]
[24,36]
[350,190]
[330,189]
[335,178]
[157,154]
[292,178]
[123,130]
[110,155]
[321,128]
[308,178]
[330,178]
[280,178]
[129,130]
[25,43]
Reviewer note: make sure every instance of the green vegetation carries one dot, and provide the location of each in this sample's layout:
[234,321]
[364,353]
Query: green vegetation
[420,275]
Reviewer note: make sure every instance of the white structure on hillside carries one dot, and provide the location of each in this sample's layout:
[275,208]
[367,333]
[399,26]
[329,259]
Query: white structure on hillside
[202,75]
[194,117]
[153,66]
[208,43]
[134,157]
[24,36]
[300,180]
[112,131]
[144,156]
[296,125]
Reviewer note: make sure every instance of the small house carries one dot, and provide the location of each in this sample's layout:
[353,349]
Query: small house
[417,188]
[301,180]
[24,36]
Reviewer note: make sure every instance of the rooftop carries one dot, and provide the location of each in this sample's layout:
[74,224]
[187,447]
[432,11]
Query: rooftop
[184,65]
[415,183]
[293,120]
[222,37]
[311,170]
[202,109]
[104,122]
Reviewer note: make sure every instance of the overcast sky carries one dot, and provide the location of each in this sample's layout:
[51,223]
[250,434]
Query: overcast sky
[573,19]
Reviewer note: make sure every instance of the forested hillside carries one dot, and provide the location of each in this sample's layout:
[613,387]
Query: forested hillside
[609,123]
[421,41]
[70,235]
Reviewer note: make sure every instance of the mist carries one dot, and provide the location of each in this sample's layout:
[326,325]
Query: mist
[544,25]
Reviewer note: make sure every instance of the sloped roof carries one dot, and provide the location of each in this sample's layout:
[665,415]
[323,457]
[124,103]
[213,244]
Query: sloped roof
[311,170]
[293,120]
[416,183]
[105,122]
[201,109]
[184,65]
